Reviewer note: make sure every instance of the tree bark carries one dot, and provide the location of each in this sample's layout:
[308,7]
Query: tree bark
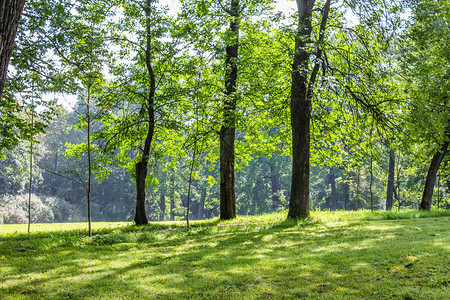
[227,132]
[10,12]
[390,183]
[300,114]
[427,195]
[140,217]
[301,97]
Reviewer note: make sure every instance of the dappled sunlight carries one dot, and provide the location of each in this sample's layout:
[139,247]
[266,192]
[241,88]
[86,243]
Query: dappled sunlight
[321,260]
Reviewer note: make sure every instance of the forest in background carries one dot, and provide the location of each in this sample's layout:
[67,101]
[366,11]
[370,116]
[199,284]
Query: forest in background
[158,92]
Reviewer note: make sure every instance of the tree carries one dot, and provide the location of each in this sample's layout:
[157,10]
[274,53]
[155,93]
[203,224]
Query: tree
[227,132]
[426,64]
[303,81]
[10,12]
[142,92]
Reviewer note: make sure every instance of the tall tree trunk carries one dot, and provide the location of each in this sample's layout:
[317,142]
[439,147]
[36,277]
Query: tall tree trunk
[276,187]
[390,183]
[301,96]
[10,12]
[141,167]
[431,177]
[333,199]
[227,132]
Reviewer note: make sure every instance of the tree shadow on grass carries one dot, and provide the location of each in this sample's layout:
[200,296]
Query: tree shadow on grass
[241,262]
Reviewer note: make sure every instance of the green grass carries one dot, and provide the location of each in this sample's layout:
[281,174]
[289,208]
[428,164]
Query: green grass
[332,255]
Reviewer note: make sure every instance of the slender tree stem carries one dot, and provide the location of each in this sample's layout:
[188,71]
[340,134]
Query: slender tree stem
[31,170]
[88,118]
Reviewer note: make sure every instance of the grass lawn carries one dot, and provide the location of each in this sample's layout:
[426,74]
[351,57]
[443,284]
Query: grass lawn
[340,255]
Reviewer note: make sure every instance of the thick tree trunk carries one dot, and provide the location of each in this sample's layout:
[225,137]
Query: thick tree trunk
[140,218]
[431,177]
[301,114]
[333,199]
[227,132]
[10,12]
[301,96]
[390,183]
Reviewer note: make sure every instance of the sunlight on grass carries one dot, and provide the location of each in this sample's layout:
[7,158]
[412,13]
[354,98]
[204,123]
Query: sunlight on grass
[328,256]
[23,228]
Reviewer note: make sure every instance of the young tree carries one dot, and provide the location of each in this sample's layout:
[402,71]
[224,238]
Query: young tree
[142,91]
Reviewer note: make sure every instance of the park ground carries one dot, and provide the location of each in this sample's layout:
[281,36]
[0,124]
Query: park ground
[331,255]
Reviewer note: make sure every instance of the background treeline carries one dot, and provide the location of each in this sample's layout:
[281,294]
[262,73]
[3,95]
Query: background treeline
[262,185]
[158,92]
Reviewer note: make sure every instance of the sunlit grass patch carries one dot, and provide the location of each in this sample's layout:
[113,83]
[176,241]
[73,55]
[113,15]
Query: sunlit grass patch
[337,255]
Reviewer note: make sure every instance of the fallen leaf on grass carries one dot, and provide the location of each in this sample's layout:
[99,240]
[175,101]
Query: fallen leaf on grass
[163,281]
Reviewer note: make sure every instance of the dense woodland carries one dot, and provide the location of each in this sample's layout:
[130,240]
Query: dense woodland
[128,110]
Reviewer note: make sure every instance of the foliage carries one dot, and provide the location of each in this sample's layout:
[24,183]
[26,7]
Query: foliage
[45,209]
